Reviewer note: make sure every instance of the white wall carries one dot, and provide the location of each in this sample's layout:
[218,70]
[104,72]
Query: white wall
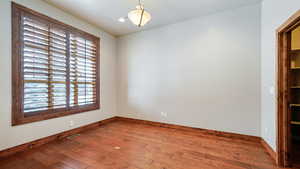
[203,72]
[12,136]
[274,13]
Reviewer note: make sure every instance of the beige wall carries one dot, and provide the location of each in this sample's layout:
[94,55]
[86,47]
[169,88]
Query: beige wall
[12,136]
[203,72]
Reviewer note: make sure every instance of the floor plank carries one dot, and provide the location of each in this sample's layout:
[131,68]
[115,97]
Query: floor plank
[126,145]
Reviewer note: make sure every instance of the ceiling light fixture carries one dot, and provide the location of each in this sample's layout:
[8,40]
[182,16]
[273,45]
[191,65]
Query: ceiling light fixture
[138,16]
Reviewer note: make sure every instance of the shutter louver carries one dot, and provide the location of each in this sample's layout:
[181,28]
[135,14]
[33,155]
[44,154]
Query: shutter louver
[82,71]
[55,68]
[45,70]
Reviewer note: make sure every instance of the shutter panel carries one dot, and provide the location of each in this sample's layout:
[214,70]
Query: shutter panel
[58,68]
[55,68]
[44,68]
[82,71]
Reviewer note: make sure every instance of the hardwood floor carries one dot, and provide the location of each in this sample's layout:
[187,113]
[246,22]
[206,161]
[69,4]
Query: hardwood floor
[127,145]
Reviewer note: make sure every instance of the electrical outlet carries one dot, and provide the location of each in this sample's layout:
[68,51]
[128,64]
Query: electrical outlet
[164,114]
[71,123]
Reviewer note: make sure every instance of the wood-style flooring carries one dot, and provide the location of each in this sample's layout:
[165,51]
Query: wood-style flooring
[127,145]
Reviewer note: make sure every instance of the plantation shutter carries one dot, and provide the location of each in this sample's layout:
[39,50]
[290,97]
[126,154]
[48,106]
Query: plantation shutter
[55,68]
[82,71]
[45,67]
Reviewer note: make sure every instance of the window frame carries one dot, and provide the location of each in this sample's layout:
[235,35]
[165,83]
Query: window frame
[18,117]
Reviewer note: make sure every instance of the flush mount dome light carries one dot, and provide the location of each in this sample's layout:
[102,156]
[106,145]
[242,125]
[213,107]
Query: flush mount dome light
[139,16]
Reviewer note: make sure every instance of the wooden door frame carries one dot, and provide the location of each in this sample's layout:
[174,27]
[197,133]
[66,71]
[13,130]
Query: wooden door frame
[283,133]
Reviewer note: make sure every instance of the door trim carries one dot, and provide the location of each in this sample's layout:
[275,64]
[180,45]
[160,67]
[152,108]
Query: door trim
[283,134]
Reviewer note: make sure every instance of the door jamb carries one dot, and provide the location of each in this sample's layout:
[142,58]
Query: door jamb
[283,138]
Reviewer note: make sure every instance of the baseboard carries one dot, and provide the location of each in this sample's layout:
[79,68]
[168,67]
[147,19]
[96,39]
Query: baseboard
[269,149]
[203,131]
[42,141]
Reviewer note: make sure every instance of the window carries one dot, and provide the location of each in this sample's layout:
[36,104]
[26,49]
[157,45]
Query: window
[55,68]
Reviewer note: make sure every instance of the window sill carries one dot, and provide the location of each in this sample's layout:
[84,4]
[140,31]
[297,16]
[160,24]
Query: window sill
[40,117]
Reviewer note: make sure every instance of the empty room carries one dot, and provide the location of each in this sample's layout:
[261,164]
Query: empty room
[150,84]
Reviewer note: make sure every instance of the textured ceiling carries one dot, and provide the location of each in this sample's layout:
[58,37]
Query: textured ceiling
[105,13]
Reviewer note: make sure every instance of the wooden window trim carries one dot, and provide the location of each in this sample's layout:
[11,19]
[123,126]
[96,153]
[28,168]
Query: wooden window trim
[18,116]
